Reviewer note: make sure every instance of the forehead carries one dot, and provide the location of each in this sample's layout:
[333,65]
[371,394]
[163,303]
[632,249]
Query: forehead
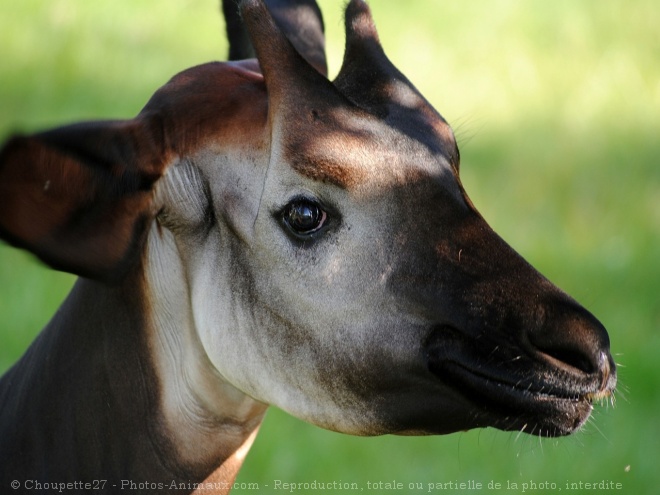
[355,150]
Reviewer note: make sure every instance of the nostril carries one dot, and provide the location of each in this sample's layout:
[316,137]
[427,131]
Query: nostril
[572,357]
[572,338]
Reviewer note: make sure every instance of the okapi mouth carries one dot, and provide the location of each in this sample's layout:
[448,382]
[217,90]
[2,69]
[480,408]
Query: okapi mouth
[516,389]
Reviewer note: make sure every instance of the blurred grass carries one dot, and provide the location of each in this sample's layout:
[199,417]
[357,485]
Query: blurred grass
[557,109]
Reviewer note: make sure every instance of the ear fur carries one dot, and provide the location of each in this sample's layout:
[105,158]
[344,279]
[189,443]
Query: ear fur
[79,197]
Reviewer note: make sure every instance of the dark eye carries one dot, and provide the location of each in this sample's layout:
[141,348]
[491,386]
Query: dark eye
[304,217]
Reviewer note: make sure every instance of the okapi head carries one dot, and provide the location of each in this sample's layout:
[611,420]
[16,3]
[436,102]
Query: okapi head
[310,243]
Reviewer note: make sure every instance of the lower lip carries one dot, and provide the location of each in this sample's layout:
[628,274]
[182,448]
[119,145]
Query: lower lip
[499,402]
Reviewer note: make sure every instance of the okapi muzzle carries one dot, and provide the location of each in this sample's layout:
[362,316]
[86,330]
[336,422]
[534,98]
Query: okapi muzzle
[260,235]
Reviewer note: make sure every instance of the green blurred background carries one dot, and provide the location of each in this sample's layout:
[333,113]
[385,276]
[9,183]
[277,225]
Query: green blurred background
[556,106]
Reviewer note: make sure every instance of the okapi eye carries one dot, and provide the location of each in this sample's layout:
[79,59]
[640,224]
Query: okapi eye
[304,217]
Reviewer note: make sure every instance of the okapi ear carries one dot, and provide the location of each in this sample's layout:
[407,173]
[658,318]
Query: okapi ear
[240,47]
[79,197]
[300,20]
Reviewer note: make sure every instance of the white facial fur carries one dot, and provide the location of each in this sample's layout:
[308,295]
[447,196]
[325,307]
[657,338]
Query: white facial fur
[312,329]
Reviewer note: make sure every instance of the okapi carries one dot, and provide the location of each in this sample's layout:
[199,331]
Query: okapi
[260,235]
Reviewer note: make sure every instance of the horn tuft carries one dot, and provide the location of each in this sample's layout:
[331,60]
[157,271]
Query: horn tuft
[359,22]
[290,79]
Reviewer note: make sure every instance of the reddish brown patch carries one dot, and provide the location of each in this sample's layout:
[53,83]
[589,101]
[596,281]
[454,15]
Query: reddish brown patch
[327,158]
[325,144]
[80,197]
[328,171]
[212,103]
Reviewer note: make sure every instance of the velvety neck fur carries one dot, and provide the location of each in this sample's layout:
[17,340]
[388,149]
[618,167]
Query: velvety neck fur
[87,390]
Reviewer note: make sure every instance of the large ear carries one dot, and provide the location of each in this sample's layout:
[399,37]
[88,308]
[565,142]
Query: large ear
[300,20]
[80,197]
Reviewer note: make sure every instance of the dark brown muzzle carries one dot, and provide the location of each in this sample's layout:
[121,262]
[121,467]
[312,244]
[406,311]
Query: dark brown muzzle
[523,352]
